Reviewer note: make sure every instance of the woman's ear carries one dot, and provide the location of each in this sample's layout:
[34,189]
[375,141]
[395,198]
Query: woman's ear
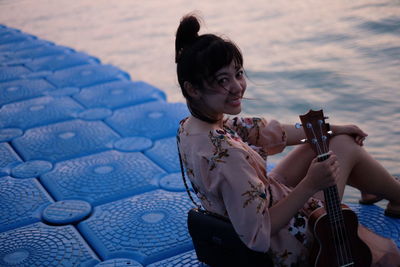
[192,91]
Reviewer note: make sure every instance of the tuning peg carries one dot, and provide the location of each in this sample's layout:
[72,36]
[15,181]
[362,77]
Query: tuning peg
[303,141]
[330,133]
[314,141]
[298,125]
[326,117]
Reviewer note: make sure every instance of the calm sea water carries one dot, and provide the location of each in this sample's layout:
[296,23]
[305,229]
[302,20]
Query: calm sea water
[342,56]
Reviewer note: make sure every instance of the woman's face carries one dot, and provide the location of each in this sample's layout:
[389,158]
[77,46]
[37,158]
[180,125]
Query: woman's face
[224,94]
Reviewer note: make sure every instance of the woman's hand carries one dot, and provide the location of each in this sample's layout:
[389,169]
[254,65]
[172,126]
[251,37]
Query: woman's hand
[321,175]
[352,130]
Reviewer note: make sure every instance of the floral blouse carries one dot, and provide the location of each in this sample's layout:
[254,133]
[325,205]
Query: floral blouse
[227,169]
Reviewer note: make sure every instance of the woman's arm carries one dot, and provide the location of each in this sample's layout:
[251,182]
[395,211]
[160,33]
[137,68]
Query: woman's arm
[247,200]
[320,175]
[352,130]
[295,135]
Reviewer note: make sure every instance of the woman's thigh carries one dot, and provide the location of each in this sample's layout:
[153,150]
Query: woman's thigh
[293,167]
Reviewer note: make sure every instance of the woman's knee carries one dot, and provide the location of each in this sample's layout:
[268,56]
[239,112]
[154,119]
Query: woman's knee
[344,146]
[343,141]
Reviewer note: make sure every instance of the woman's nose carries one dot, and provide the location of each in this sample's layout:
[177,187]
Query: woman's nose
[238,86]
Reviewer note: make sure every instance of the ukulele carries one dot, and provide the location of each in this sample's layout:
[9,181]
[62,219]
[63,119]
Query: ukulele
[335,226]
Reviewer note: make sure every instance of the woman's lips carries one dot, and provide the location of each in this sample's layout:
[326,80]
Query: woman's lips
[235,102]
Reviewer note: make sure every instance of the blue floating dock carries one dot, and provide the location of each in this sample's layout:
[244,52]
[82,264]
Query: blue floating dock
[89,171]
[103,177]
[146,227]
[22,89]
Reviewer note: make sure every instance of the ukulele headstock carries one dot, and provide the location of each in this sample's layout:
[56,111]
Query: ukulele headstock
[317,131]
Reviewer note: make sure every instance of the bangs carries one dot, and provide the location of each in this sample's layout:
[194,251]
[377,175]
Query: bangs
[219,53]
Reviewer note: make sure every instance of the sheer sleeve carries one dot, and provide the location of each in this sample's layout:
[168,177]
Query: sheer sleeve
[269,135]
[246,199]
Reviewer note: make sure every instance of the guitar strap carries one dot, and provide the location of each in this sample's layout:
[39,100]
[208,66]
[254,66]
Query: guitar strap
[184,178]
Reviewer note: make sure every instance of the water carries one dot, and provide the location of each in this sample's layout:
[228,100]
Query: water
[342,56]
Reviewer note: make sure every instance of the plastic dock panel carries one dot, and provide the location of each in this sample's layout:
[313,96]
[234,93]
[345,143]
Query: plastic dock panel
[154,120]
[12,73]
[38,52]
[38,111]
[173,182]
[146,227]
[187,259]
[22,201]
[118,94]
[165,153]
[42,245]
[23,89]
[59,62]
[86,75]
[8,158]
[59,141]
[10,47]
[103,177]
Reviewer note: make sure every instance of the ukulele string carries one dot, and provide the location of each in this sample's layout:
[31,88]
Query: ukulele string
[346,244]
[338,253]
[324,138]
[337,200]
[337,216]
[315,140]
[336,231]
[334,215]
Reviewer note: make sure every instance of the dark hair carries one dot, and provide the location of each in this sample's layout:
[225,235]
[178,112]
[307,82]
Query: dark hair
[199,57]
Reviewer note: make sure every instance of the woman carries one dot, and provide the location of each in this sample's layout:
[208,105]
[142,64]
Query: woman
[225,158]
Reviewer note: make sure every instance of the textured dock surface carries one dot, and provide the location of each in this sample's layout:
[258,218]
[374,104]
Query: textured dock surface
[89,173]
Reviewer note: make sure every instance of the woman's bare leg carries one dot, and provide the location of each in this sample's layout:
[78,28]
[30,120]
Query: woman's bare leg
[367,174]
[369,198]
[294,166]
[357,168]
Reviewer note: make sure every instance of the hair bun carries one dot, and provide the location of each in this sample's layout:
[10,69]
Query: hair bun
[186,34]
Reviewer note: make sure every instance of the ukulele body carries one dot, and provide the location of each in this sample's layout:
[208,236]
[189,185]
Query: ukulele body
[324,253]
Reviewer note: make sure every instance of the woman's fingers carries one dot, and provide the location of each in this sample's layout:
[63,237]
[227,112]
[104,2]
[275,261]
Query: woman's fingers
[360,140]
[324,174]
[359,132]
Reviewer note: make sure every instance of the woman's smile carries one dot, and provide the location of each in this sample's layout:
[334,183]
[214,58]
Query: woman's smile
[234,102]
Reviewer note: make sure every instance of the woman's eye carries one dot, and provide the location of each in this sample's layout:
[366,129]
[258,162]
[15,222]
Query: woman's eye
[240,73]
[222,81]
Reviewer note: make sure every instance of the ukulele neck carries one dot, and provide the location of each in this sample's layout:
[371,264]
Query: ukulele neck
[333,205]
[332,199]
